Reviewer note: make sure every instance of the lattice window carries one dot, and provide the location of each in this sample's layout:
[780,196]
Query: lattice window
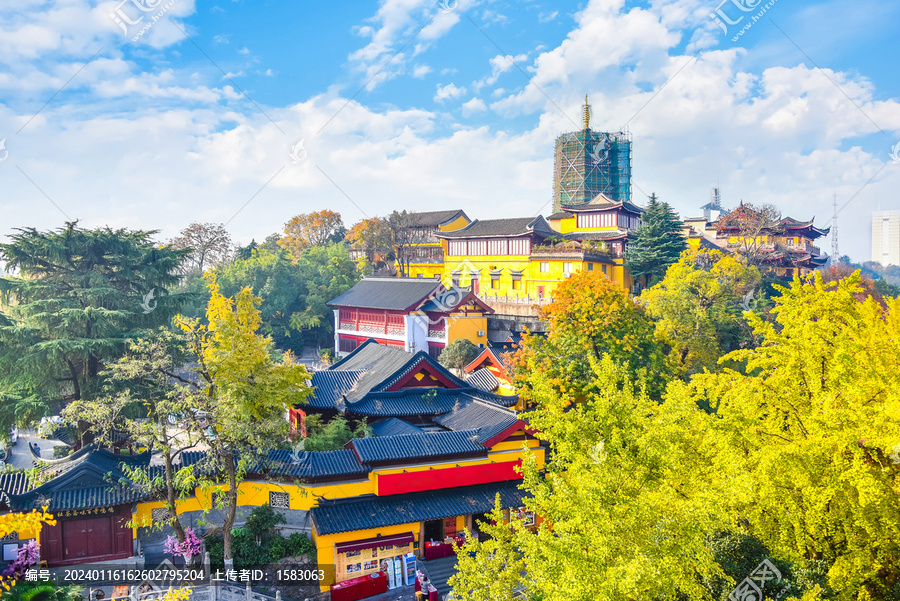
[279,500]
[161,515]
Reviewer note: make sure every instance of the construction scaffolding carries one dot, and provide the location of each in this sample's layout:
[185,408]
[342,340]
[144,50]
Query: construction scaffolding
[588,162]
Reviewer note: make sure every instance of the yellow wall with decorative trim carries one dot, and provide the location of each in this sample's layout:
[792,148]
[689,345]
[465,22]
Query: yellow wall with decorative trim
[473,329]
[534,274]
[457,224]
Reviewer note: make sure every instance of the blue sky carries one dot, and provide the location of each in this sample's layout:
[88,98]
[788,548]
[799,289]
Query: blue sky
[427,105]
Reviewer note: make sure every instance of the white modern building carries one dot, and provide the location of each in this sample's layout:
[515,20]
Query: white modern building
[886,237]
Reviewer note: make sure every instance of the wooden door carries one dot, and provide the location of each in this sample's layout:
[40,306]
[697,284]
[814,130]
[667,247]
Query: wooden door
[87,538]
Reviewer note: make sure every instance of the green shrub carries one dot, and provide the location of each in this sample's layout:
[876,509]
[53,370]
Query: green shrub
[296,544]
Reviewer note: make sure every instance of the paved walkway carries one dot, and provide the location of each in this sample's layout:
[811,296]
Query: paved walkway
[20,456]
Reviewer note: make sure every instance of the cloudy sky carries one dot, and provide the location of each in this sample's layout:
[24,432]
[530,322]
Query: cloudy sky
[156,113]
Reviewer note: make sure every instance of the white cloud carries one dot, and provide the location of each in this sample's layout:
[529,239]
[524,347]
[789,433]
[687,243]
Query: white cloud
[421,71]
[397,23]
[448,92]
[499,64]
[546,17]
[475,105]
[132,157]
[244,50]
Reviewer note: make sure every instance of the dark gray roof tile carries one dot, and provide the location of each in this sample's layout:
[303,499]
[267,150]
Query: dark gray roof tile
[516,226]
[487,419]
[332,384]
[398,294]
[392,426]
[417,446]
[432,218]
[362,513]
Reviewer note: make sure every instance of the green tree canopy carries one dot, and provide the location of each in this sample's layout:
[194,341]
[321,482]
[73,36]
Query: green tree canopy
[294,293]
[698,307]
[333,434]
[140,385]
[75,298]
[796,460]
[458,354]
[657,243]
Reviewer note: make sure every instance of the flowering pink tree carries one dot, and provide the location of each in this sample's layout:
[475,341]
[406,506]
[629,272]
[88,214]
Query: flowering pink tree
[190,548]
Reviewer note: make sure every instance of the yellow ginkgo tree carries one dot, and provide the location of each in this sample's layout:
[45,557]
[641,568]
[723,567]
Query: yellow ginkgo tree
[243,390]
[808,438]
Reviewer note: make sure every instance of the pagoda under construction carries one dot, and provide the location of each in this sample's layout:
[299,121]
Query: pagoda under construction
[588,163]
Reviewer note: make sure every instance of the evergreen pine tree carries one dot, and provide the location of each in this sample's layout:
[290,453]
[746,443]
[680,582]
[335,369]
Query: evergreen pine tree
[657,244]
[76,297]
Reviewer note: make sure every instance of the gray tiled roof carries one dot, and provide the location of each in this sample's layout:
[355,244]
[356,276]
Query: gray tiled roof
[362,513]
[90,478]
[387,293]
[516,226]
[487,419]
[383,367]
[318,464]
[483,379]
[83,498]
[603,202]
[332,384]
[423,401]
[450,299]
[432,218]
[418,446]
[15,483]
[392,426]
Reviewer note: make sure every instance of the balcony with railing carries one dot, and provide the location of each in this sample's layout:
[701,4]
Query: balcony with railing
[372,323]
[574,251]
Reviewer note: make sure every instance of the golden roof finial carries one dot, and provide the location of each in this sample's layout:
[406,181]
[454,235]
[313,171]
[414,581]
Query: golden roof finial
[587,113]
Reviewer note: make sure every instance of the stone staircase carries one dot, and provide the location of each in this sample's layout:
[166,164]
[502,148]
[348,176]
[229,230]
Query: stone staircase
[439,571]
